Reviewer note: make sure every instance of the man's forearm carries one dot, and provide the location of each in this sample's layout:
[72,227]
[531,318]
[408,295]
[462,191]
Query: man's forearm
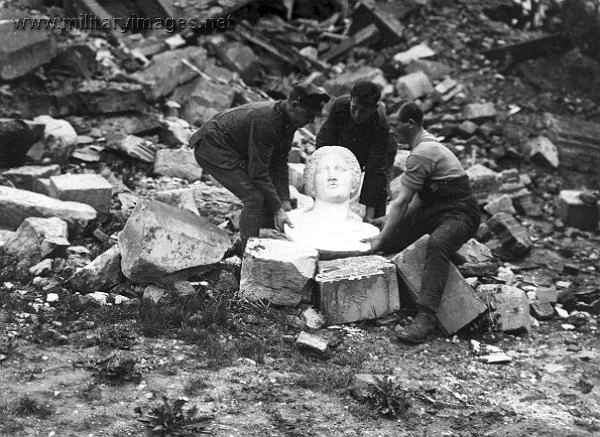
[397,211]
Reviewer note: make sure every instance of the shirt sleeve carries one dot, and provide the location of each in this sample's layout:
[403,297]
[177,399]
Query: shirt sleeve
[418,169]
[260,149]
[280,171]
[374,185]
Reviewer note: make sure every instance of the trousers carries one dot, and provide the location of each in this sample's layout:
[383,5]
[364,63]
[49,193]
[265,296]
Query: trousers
[449,226]
[254,213]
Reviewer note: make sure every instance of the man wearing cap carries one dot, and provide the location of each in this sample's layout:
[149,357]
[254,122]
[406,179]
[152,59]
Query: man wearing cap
[358,122]
[448,212]
[246,150]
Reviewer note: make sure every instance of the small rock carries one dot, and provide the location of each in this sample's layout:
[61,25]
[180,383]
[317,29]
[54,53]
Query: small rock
[312,342]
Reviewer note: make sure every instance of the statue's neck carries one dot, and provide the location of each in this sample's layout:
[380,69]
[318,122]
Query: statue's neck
[331,212]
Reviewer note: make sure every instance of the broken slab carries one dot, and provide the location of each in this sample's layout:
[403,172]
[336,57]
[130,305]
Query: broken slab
[132,123]
[102,274]
[458,307]
[89,188]
[476,259]
[16,138]
[343,83]
[177,163]
[363,37]
[36,239]
[433,69]
[415,52]
[159,240]
[312,342]
[390,28]
[16,205]
[508,305]
[26,177]
[542,310]
[513,236]
[479,111]
[240,58]
[136,147]
[24,50]
[414,85]
[574,212]
[277,270]
[182,198]
[357,288]
[542,151]
[201,99]
[523,202]
[501,203]
[100,97]
[484,181]
[167,72]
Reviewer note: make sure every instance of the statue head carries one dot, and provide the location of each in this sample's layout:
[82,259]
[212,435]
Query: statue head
[332,174]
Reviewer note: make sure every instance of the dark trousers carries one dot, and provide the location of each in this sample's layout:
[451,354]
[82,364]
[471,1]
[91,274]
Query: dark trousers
[254,212]
[449,227]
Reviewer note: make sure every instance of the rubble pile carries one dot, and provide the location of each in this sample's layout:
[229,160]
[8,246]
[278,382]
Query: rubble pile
[95,157]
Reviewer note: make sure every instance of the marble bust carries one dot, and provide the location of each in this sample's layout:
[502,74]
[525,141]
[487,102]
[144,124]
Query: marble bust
[332,177]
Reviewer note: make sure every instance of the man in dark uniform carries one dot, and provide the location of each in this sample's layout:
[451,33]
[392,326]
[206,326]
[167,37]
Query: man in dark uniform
[358,122]
[448,213]
[246,150]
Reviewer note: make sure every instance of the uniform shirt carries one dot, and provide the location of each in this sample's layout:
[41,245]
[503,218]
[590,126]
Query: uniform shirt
[369,141]
[430,161]
[257,137]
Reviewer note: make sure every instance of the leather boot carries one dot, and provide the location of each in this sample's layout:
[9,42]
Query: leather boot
[417,332]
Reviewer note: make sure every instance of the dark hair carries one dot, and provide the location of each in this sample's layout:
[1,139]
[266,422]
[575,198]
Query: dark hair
[366,93]
[410,111]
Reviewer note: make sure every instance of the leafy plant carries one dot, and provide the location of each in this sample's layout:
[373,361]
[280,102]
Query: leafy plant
[169,418]
[388,397]
[115,368]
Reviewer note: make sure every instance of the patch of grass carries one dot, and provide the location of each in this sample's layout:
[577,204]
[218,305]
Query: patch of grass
[28,406]
[8,424]
[169,417]
[326,379]
[118,336]
[115,368]
[195,386]
[253,348]
[90,392]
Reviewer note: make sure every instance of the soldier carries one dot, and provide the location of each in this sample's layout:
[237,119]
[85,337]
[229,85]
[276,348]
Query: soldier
[246,150]
[358,122]
[448,213]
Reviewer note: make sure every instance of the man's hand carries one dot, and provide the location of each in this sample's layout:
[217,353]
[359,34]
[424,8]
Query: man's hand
[281,218]
[375,242]
[286,205]
[379,221]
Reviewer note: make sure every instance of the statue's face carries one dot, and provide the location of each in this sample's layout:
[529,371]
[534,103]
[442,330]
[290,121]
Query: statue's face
[333,179]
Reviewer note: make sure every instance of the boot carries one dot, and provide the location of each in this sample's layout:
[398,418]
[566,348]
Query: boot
[417,332]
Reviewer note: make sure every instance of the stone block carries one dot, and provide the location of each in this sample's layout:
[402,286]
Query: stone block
[177,163]
[343,83]
[102,274]
[445,86]
[312,342]
[36,239]
[414,85]
[508,305]
[476,259]
[160,240]
[203,93]
[357,288]
[89,188]
[240,58]
[296,175]
[26,177]
[415,52]
[136,147]
[279,271]
[167,71]
[467,128]
[542,310]
[16,138]
[458,307]
[523,202]
[23,51]
[479,111]
[434,70]
[16,205]
[513,236]
[484,181]
[42,186]
[574,212]
[542,152]
[502,203]
[182,198]
[546,295]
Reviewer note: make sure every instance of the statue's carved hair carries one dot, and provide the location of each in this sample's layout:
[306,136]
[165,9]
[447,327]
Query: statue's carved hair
[313,162]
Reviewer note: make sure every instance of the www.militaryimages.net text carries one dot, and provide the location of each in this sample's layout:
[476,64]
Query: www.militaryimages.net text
[93,22]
